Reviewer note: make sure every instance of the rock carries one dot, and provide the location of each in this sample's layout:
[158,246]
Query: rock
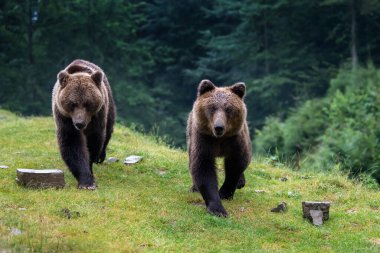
[161,171]
[283,179]
[15,231]
[259,191]
[280,208]
[40,178]
[67,213]
[242,209]
[112,160]
[22,209]
[293,194]
[317,218]
[4,167]
[132,159]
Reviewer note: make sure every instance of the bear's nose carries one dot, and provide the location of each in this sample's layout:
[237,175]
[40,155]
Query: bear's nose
[79,125]
[219,130]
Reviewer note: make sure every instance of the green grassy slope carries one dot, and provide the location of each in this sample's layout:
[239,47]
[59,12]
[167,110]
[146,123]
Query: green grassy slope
[147,207]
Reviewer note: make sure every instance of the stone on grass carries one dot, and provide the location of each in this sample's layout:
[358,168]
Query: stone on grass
[40,178]
[4,167]
[112,160]
[161,171]
[15,231]
[69,214]
[316,212]
[283,179]
[132,159]
[280,208]
[317,216]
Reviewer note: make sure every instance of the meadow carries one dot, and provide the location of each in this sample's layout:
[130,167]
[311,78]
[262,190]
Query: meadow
[147,207]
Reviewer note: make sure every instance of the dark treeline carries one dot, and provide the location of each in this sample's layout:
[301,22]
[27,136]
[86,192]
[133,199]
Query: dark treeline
[302,61]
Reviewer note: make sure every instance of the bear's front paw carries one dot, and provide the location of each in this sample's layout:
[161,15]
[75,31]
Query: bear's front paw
[225,194]
[217,210]
[87,186]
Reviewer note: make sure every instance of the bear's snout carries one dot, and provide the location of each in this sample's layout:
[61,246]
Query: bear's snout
[219,130]
[219,124]
[80,126]
[79,118]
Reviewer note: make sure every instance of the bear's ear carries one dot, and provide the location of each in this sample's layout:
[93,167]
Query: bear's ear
[97,77]
[205,86]
[238,89]
[63,78]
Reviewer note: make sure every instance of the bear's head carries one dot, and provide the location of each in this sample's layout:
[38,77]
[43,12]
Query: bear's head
[80,96]
[220,111]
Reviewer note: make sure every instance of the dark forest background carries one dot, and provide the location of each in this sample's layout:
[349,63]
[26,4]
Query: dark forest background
[310,66]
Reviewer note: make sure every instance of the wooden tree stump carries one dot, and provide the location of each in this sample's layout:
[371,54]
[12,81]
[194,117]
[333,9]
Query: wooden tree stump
[40,178]
[316,212]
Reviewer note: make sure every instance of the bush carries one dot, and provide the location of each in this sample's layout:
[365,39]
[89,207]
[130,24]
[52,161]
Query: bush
[341,130]
[270,138]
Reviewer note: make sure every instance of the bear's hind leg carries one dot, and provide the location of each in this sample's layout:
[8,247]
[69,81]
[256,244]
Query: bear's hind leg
[95,146]
[109,131]
[234,168]
[241,182]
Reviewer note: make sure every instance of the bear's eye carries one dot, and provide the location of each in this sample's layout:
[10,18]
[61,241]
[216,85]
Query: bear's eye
[212,108]
[72,106]
[229,110]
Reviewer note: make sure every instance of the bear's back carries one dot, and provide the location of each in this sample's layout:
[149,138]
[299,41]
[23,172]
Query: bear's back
[82,66]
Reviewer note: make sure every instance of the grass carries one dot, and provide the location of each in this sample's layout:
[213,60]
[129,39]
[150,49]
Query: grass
[148,208]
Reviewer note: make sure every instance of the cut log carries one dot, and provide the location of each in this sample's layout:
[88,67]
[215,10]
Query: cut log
[317,218]
[40,178]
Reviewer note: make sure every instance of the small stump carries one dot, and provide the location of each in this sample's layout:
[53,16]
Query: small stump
[316,212]
[40,178]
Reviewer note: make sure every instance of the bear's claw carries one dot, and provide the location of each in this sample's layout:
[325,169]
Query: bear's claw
[217,210]
[193,189]
[87,187]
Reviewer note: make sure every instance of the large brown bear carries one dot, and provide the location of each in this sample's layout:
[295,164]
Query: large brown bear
[217,127]
[84,113]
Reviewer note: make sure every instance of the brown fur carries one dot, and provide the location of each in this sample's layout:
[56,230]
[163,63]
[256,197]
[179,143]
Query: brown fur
[84,113]
[217,127]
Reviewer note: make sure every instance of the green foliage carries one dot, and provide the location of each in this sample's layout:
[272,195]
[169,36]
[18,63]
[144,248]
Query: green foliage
[354,134]
[341,129]
[270,138]
[304,126]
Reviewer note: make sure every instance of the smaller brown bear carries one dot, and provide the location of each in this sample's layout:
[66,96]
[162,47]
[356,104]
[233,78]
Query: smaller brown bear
[84,113]
[217,127]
